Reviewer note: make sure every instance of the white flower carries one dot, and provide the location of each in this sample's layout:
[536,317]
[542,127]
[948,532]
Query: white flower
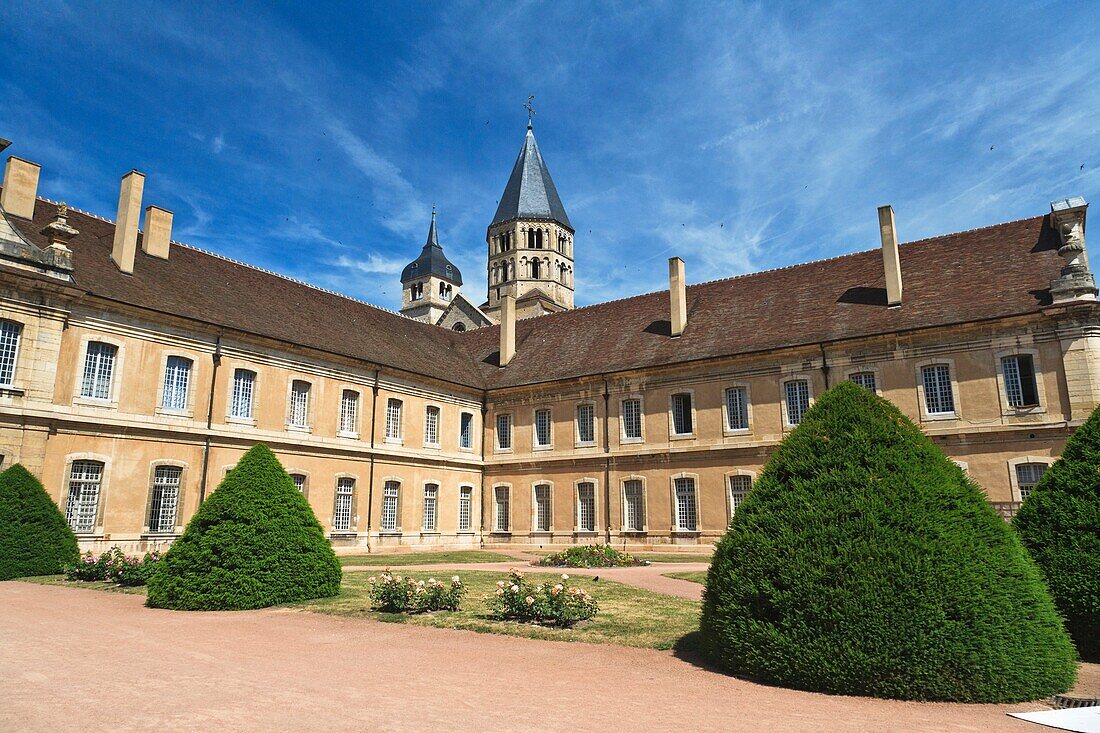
[421,584]
[515,589]
[529,600]
[431,581]
[500,583]
[454,579]
[565,576]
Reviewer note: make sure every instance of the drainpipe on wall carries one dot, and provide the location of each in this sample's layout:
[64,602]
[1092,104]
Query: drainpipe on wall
[370,476]
[481,489]
[217,360]
[606,462]
[824,366]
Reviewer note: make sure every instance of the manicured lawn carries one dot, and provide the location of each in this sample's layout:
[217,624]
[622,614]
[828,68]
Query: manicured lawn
[628,616]
[695,576]
[672,557]
[109,587]
[426,558]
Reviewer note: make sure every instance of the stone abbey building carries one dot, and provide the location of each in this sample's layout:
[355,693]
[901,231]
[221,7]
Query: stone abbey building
[136,370]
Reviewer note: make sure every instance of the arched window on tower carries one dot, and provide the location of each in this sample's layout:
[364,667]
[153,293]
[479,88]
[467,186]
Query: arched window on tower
[536,269]
[459,327]
[561,274]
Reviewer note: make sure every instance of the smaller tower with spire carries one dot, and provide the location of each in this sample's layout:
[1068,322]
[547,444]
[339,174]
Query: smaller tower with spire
[430,282]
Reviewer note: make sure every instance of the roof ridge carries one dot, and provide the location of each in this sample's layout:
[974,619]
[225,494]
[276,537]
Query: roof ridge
[242,264]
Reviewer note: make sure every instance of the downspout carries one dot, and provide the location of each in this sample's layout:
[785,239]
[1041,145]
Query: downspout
[606,461]
[217,359]
[824,366]
[481,488]
[370,476]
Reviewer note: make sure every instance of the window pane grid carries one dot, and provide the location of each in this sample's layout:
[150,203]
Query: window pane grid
[632,419]
[938,397]
[164,499]
[1020,386]
[177,375]
[798,400]
[634,504]
[393,419]
[85,478]
[500,502]
[341,513]
[465,509]
[586,423]
[9,350]
[466,430]
[504,432]
[686,513]
[542,508]
[1027,476]
[431,426]
[586,507]
[99,364]
[737,413]
[349,411]
[243,382]
[431,500]
[865,380]
[739,489]
[299,404]
[299,482]
[542,427]
[390,495]
[681,414]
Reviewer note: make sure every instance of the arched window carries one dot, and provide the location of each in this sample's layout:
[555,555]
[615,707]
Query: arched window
[164,498]
[460,327]
[341,510]
[536,269]
[85,480]
[391,492]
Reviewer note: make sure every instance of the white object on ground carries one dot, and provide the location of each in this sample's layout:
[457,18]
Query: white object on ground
[1081,720]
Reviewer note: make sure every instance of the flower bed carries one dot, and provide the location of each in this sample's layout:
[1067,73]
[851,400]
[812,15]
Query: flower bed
[554,605]
[113,566]
[396,594]
[591,556]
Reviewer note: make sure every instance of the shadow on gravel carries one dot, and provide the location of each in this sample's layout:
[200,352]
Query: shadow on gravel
[689,649]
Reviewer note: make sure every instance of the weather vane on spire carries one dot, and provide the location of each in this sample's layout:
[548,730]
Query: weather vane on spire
[530,111]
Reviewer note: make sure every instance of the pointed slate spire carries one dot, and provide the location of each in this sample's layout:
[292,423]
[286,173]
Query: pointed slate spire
[530,193]
[432,261]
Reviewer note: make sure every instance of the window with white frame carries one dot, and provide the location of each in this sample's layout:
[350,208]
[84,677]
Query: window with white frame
[465,508]
[632,419]
[393,419]
[586,423]
[299,480]
[244,382]
[431,425]
[164,498]
[797,400]
[466,430]
[682,419]
[687,513]
[504,432]
[85,481]
[737,408]
[500,509]
[10,331]
[349,411]
[586,506]
[542,428]
[1021,388]
[177,383]
[864,379]
[633,506]
[391,495]
[341,512]
[542,508]
[938,397]
[431,507]
[299,403]
[739,488]
[99,367]
[1027,476]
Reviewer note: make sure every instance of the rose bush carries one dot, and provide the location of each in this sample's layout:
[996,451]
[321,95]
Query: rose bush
[396,594]
[113,566]
[555,604]
[590,556]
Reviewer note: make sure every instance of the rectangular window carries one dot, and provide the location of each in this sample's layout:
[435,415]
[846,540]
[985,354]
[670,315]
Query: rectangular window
[9,350]
[542,508]
[341,513]
[797,400]
[633,506]
[99,366]
[586,423]
[299,403]
[299,482]
[1027,476]
[431,426]
[504,432]
[243,383]
[632,419]
[500,509]
[391,493]
[465,508]
[85,478]
[349,411]
[737,408]
[938,398]
[865,380]
[177,382]
[466,430]
[586,507]
[681,414]
[1020,386]
[164,498]
[393,419]
[686,512]
[542,428]
[739,489]
[431,506]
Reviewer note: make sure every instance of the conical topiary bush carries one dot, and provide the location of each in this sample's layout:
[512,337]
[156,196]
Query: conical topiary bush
[35,539]
[254,542]
[865,562]
[1060,525]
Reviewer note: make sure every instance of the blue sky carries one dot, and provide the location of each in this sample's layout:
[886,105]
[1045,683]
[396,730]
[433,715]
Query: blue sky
[313,139]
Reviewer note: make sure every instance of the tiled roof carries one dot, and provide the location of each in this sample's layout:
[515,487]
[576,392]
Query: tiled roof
[530,192]
[432,261]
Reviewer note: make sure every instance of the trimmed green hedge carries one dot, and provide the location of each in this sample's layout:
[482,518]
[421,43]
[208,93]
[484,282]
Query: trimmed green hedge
[1060,525]
[35,539]
[865,562]
[254,542]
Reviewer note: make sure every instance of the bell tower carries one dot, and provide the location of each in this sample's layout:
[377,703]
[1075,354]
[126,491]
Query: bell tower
[530,239]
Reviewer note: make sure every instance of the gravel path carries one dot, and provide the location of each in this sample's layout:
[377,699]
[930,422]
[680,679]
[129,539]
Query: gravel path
[81,660]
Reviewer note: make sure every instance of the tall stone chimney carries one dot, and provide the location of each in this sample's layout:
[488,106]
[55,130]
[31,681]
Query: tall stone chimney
[126,223]
[1076,282]
[507,328]
[156,235]
[677,294]
[891,258]
[20,187]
